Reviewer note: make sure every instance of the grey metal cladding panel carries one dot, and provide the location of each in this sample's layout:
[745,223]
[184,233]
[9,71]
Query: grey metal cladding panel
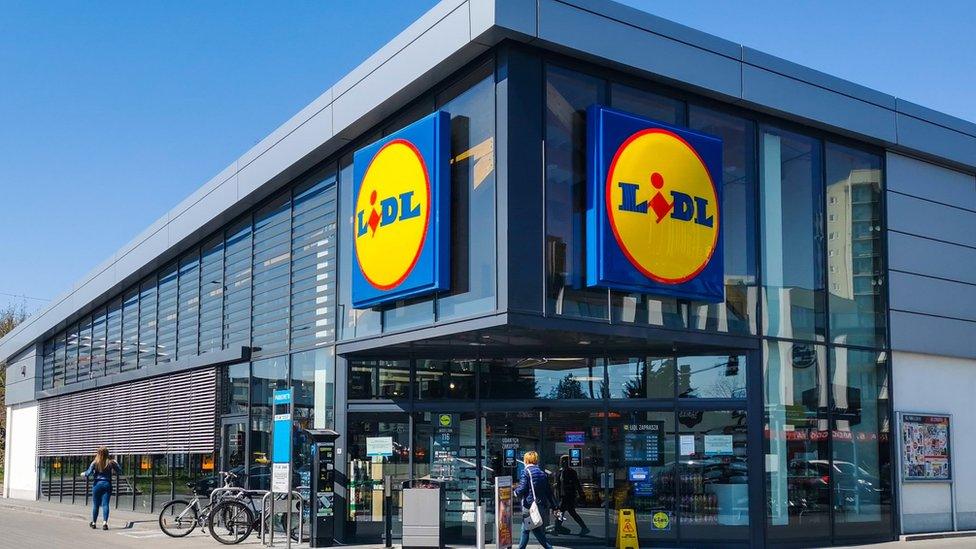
[932,220]
[932,335]
[574,28]
[766,89]
[932,296]
[519,16]
[19,392]
[301,141]
[930,181]
[447,36]
[927,257]
[940,118]
[817,78]
[919,135]
[203,211]
[392,48]
[308,112]
[659,25]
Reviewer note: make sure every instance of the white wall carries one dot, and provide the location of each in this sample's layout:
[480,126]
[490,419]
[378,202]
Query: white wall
[936,384]
[20,475]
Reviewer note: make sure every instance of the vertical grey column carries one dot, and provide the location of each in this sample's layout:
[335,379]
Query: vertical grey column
[341,421]
[521,237]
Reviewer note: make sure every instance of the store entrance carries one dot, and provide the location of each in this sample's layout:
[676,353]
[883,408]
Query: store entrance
[682,471]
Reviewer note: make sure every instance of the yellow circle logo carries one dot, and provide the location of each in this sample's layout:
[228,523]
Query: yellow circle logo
[663,206]
[661,520]
[392,214]
[445,420]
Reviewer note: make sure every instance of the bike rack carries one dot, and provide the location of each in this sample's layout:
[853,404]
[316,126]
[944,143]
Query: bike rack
[270,515]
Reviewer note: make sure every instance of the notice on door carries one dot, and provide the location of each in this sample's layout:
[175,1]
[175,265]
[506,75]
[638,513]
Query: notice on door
[718,445]
[379,446]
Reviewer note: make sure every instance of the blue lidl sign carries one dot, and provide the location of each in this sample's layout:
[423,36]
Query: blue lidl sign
[401,214]
[653,221]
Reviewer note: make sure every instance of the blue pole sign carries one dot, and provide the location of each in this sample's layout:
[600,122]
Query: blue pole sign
[281,443]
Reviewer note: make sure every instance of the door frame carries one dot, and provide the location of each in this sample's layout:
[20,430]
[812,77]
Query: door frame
[224,454]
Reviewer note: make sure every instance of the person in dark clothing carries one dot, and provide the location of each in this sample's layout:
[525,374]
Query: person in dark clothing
[100,471]
[568,489]
[534,478]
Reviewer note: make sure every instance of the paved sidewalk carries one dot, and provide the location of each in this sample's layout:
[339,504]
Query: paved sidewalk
[29,524]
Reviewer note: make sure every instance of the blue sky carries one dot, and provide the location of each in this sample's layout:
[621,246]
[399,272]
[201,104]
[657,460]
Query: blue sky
[112,112]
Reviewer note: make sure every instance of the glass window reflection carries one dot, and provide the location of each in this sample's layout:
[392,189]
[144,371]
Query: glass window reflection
[545,378]
[644,377]
[855,264]
[792,234]
[712,376]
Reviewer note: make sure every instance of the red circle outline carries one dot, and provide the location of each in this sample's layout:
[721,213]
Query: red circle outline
[608,185]
[423,235]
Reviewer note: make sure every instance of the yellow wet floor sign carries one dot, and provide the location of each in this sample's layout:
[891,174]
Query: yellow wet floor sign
[626,529]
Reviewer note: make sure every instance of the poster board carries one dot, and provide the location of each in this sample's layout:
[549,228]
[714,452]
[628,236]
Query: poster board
[926,451]
[504,509]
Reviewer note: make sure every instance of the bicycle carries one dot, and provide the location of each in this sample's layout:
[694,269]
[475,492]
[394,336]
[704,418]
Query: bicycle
[178,518]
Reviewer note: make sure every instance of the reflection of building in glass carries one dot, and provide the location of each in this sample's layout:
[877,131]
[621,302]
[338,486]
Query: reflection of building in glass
[852,227]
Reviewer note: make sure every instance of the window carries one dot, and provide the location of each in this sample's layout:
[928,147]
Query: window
[792,236]
[446,379]
[113,349]
[98,344]
[861,471]
[166,314]
[647,104]
[643,377]
[130,330]
[568,94]
[237,284]
[266,376]
[855,253]
[313,262]
[147,323]
[712,376]
[188,314]
[797,454]
[211,294]
[739,224]
[84,349]
[352,322]
[473,252]
[545,378]
[47,380]
[379,379]
[313,378]
[71,355]
[272,257]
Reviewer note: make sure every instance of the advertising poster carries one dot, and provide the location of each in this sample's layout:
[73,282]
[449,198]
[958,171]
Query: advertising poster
[718,445]
[925,447]
[504,509]
[379,446]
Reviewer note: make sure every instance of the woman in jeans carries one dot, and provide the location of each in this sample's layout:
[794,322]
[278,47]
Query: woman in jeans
[535,479]
[100,471]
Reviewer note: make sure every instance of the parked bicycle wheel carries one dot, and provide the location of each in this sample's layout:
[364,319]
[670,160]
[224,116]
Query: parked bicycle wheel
[231,522]
[178,518]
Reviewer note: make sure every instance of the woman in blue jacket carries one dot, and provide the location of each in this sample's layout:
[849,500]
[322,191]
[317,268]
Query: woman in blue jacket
[100,471]
[534,478]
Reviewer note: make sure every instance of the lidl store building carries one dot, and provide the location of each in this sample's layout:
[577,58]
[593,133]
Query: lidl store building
[736,293]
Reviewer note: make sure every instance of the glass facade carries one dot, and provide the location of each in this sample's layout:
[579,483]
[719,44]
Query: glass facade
[654,434]
[767,414]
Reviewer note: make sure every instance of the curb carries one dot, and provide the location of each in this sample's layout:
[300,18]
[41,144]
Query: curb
[53,513]
[939,535]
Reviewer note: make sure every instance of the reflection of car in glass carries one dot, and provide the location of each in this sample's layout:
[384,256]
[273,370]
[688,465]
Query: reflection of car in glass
[852,483]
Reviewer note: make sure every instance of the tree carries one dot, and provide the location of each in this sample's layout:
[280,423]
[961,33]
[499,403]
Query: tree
[10,317]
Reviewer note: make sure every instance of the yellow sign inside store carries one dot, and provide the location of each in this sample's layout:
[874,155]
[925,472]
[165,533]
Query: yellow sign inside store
[626,529]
